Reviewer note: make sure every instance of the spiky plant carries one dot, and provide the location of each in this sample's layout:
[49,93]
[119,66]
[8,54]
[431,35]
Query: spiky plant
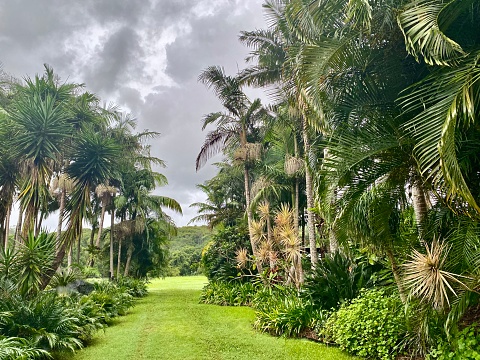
[241,255]
[427,279]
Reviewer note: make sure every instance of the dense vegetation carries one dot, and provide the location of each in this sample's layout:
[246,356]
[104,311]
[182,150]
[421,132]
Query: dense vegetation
[347,210]
[60,151]
[185,250]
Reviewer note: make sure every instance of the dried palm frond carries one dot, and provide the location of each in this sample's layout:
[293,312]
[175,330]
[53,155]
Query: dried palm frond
[240,155]
[292,165]
[254,151]
[273,258]
[61,183]
[425,278]
[241,257]
[102,190]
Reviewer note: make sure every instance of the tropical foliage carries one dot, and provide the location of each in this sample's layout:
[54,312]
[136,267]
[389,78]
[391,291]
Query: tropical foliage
[62,153]
[371,142]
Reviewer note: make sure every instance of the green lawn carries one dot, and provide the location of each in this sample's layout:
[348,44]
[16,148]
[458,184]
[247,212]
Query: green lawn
[170,324]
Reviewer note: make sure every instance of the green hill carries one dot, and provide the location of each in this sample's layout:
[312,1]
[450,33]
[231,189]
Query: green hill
[186,250]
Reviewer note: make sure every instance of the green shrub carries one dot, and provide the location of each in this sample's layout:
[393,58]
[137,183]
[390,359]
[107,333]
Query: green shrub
[336,278]
[372,325]
[111,299]
[465,345]
[280,311]
[228,293]
[135,287]
[16,348]
[218,256]
[44,321]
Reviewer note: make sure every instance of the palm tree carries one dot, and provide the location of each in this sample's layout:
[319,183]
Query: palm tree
[39,118]
[443,107]
[94,160]
[235,129]
[277,65]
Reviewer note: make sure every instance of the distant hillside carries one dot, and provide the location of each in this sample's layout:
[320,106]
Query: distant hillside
[195,236]
[186,250]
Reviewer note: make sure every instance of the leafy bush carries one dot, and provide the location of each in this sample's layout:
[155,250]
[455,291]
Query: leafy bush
[336,278]
[16,348]
[465,345]
[135,287]
[371,326]
[43,320]
[111,299]
[280,311]
[218,256]
[228,293]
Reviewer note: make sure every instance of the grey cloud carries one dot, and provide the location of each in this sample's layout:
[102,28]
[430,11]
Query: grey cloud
[213,41]
[117,58]
[36,31]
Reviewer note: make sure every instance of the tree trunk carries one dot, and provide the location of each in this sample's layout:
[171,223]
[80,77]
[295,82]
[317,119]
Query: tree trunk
[100,225]
[129,258]
[420,207]
[18,229]
[7,225]
[69,257]
[309,193]
[119,258]
[79,247]
[60,219]
[91,261]
[250,219]
[112,217]
[396,276]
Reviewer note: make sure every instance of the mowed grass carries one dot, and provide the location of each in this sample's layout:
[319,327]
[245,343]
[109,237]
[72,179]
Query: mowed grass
[170,324]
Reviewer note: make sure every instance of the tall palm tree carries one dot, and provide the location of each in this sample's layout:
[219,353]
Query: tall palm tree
[277,65]
[94,159]
[235,129]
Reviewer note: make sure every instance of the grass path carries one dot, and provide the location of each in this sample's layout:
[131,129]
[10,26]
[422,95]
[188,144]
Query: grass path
[170,324]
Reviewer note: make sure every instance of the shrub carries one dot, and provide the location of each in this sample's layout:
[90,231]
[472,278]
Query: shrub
[371,326]
[218,256]
[280,311]
[465,345]
[43,320]
[336,278]
[111,299]
[135,287]
[228,293]
[16,348]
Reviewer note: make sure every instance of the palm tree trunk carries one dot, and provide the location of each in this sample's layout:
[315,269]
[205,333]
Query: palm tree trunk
[112,220]
[92,237]
[18,229]
[7,225]
[60,219]
[420,207]
[100,226]
[69,256]
[396,276]
[129,259]
[79,246]
[309,193]
[119,257]
[250,219]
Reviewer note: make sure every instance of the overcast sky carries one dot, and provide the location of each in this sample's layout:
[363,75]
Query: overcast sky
[145,56]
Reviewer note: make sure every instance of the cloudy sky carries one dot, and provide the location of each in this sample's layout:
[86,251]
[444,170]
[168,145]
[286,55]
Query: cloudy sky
[145,56]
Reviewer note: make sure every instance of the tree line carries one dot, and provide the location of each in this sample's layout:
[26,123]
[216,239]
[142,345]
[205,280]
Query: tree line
[370,147]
